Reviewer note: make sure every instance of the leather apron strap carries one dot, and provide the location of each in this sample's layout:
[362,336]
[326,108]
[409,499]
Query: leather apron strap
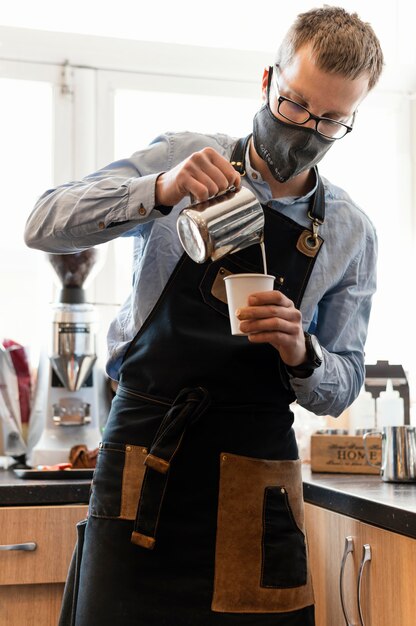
[316,210]
[186,409]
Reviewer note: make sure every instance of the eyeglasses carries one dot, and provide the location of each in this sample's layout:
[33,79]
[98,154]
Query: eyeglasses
[298,114]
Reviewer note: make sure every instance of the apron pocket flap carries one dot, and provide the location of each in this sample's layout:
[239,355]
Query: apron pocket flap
[117,481]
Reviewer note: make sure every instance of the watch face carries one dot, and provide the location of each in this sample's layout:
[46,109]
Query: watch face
[316,347]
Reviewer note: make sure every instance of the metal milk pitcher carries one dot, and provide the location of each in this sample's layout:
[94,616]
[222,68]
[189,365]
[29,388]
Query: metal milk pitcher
[225,223]
[398,453]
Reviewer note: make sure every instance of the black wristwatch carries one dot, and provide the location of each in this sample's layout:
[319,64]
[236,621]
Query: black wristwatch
[314,358]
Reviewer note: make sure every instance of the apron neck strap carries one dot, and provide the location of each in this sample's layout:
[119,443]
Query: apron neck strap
[238,157]
[316,210]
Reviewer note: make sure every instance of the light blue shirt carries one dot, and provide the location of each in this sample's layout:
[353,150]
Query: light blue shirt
[119,200]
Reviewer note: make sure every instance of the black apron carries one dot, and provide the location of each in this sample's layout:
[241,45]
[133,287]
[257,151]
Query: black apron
[196,510]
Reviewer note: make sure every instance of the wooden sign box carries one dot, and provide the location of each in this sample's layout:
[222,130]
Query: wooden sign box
[344,454]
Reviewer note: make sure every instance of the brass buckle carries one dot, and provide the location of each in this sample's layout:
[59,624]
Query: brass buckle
[316,223]
[239,166]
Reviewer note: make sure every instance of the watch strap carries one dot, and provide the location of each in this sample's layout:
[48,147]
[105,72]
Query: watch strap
[313,360]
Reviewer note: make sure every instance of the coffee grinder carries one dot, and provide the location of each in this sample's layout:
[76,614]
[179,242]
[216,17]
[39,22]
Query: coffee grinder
[72,400]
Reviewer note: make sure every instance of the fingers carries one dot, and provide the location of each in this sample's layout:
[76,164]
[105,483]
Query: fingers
[273,319]
[267,325]
[271,329]
[206,173]
[269,304]
[203,175]
[270,297]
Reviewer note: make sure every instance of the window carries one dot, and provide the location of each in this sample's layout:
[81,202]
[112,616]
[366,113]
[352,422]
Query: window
[373,164]
[140,107]
[26,129]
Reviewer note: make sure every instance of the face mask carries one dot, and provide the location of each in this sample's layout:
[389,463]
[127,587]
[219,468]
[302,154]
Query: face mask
[287,149]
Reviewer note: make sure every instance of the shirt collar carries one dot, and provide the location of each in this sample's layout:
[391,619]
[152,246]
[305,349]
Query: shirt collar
[262,188]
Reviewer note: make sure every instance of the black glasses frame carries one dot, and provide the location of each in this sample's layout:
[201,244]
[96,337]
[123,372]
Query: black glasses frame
[310,116]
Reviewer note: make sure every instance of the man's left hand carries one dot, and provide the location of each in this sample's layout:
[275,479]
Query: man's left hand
[271,317]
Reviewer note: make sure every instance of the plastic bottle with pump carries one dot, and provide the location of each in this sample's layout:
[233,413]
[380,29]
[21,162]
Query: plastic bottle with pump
[389,407]
[362,413]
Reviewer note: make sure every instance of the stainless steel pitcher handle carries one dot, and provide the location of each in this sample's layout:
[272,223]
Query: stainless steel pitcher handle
[27,547]
[230,189]
[373,433]
[348,549]
[366,559]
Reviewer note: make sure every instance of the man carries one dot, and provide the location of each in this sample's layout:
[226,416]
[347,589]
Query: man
[196,512]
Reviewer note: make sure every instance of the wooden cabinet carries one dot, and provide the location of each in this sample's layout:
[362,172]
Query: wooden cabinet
[387,589]
[32,581]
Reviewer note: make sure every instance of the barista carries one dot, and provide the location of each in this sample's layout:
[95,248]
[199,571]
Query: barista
[196,512]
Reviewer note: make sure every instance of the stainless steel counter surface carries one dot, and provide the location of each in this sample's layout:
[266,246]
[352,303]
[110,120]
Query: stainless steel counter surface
[365,497]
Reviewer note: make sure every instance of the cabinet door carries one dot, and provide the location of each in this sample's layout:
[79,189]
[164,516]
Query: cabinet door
[387,585]
[388,594]
[32,582]
[30,605]
[327,532]
[52,529]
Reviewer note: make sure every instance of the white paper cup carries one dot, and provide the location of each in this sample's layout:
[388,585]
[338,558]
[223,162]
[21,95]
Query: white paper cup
[239,287]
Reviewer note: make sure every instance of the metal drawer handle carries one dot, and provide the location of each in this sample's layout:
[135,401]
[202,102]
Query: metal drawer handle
[366,558]
[27,547]
[349,549]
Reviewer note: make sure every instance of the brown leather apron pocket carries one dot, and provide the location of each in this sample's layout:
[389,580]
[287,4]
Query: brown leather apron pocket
[261,551]
[117,481]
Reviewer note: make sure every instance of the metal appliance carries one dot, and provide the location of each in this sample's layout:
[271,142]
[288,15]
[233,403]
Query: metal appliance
[398,453]
[71,400]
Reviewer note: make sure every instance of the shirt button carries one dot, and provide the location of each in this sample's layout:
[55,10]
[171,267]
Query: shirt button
[254,175]
[101,225]
[142,210]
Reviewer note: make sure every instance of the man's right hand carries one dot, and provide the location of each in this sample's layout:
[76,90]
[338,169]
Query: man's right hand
[202,175]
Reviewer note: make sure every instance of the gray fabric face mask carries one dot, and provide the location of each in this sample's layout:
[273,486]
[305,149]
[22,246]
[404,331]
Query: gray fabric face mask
[287,149]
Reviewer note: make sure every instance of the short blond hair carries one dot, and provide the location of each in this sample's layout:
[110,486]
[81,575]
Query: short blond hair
[341,43]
